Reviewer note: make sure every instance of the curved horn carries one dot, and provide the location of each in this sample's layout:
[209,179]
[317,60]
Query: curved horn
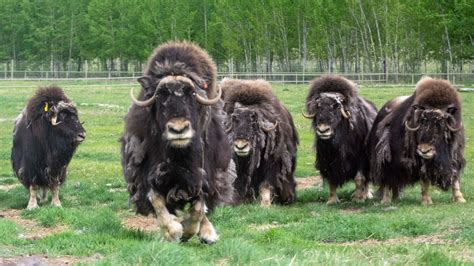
[345,114]
[142,103]
[205,101]
[229,128]
[411,128]
[54,120]
[453,129]
[308,116]
[269,129]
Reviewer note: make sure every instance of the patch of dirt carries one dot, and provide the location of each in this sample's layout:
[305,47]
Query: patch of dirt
[8,187]
[147,224]
[40,260]
[264,227]
[114,190]
[437,239]
[351,210]
[309,182]
[33,231]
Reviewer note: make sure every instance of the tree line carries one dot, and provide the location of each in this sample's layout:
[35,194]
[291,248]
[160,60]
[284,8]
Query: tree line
[241,35]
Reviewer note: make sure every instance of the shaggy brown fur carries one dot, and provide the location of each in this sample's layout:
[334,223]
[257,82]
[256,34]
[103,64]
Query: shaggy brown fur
[332,83]
[436,93]
[251,105]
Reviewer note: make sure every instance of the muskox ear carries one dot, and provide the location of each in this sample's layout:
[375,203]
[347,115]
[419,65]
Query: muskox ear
[145,81]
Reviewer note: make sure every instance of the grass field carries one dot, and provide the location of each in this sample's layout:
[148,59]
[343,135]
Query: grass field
[91,226]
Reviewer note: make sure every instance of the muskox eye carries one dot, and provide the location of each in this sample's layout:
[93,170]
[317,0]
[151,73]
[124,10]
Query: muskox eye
[452,110]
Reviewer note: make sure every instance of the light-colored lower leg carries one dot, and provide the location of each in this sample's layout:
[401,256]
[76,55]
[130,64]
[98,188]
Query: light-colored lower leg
[32,203]
[396,193]
[265,195]
[385,195]
[207,233]
[361,191]
[192,223]
[333,199]
[169,224]
[44,195]
[425,195]
[55,196]
[457,195]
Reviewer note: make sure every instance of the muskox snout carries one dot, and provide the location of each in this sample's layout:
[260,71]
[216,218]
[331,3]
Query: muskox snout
[324,131]
[426,151]
[80,137]
[179,132]
[242,147]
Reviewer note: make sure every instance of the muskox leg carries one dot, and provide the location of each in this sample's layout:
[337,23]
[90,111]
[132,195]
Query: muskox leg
[265,195]
[192,223]
[32,203]
[425,195]
[55,196]
[457,195]
[333,199]
[361,192]
[207,233]
[169,224]
[44,195]
[385,195]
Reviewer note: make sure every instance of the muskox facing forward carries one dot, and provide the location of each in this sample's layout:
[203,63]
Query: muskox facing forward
[264,140]
[174,149]
[341,120]
[45,136]
[419,138]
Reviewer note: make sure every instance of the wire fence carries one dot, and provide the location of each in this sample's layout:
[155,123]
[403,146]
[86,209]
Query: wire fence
[118,77]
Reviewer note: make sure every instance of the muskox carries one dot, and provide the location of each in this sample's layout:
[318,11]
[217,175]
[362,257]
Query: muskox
[264,140]
[419,138]
[45,136]
[174,148]
[341,120]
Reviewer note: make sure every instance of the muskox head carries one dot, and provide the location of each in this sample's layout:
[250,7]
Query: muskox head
[433,128]
[176,101]
[249,127]
[327,110]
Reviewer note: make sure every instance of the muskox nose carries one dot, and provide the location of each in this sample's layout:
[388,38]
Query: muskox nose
[241,144]
[323,128]
[241,147]
[426,151]
[178,126]
[81,137]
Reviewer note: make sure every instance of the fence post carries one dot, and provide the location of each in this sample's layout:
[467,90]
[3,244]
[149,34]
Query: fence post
[12,69]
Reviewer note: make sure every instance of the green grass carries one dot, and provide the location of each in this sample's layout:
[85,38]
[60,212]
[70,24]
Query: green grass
[307,232]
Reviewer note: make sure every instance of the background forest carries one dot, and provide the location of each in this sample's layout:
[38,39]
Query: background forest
[241,35]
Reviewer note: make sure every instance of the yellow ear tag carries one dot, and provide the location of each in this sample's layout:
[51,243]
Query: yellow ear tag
[46,107]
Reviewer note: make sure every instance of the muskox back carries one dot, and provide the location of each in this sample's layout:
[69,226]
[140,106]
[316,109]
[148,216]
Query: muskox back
[265,141]
[45,137]
[341,120]
[419,138]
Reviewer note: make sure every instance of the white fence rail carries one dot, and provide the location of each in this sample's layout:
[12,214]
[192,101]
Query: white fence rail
[280,77]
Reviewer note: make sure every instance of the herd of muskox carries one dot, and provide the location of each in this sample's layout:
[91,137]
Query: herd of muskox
[190,144]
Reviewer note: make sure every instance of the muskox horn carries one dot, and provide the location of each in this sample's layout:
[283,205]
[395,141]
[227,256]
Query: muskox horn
[345,114]
[309,116]
[411,128]
[142,103]
[205,101]
[453,129]
[269,129]
[229,128]
[54,120]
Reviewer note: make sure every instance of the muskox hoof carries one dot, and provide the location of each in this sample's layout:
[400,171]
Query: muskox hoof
[56,204]
[359,197]
[332,201]
[265,203]
[173,231]
[426,200]
[459,199]
[208,237]
[386,201]
[32,206]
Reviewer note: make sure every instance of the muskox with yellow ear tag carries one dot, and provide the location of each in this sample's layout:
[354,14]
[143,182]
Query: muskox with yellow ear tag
[45,137]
